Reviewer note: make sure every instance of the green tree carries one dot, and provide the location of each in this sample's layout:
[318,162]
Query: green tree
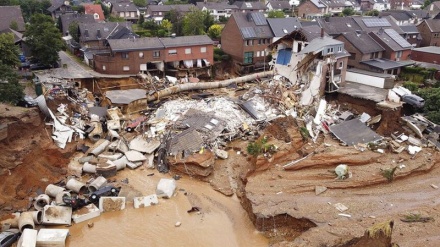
[140,3]
[208,20]
[215,31]
[275,14]
[79,8]
[194,22]
[141,19]
[176,19]
[112,18]
[106,10]
[426,4]
[348,12]
[373,12]
[167,26]
[8,50]
[10,90]
[43,39]
[432,103]
[73,30]
[30,7]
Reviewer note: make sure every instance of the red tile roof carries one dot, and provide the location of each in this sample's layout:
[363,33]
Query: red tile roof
[94,8]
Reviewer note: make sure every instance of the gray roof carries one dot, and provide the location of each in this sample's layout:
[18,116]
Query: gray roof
[247,24]
[383,64]
[337,25]
[429,49]
[67,19]
[312,32]
[124,6]
[216,6]
[420,13]
[391,38]
[399,15]
[377,20]
[56,4]
[9,14]
[317,3]
[279,4]
[166,8]
[250,5]
[17,36]
[410,29]
[318,44]
[91,31]
[434,25]
[363,42]
[134,44]
[309,23]
[186,41]
[283,26]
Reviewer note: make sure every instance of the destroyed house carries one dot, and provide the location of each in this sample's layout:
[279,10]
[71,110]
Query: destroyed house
[245,38]
[174,55]
[307,56]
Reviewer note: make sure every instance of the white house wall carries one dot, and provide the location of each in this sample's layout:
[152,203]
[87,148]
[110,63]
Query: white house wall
[365,79]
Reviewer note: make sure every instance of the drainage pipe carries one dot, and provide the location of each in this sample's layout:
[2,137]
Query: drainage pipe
[59,198]
[96,133]
[41,201]
[77,186]
[53,190]
[37,216]
[100,148]
[89,168]
[97,183]
[120,163]
[26,221]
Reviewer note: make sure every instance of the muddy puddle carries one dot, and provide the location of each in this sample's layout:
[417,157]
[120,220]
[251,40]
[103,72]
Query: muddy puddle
[221,220]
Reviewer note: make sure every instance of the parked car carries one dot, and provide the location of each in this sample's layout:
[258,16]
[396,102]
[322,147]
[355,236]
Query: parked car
[131,126]
[9,237]
[104,191]
[413,100]
[27,101]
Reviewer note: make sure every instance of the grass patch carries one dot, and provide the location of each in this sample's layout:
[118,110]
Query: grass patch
[416,218]
[385,228]
[389,173]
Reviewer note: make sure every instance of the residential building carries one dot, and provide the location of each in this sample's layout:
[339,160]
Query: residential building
[250,6]
[59,7]
[218,9]
[406,4]
[179,56]
[412,35]
[278,6]
[430,31]
[405,17]
[310,54]
[96,35]
[95,10]
[67,19]
[433,9]
[311,9]
[283,26]
[11,17]
[245,38]
[157,12]
[126,10]
[428,54]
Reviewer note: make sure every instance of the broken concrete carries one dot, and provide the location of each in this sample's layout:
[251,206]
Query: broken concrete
[52,237]
[145,201]
[28,238]
[56,215]
[108,204]
[86,213]
[165,188]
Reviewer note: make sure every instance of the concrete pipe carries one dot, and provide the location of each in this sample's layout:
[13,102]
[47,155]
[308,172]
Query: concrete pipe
[100,147]
[97,183]
[37,216]
[89,168]
[77,186]
[59,198]
[53,190]
[26,220]
[120,163]
[12,220]
[6,226]
[41,201]
[113,135]
[96,133]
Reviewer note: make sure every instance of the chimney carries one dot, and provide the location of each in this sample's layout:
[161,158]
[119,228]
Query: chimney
[380,32]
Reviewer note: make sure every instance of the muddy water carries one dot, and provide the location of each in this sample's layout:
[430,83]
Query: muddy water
[221,221]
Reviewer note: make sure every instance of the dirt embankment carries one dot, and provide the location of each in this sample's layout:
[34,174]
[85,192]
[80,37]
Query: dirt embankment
[29,160]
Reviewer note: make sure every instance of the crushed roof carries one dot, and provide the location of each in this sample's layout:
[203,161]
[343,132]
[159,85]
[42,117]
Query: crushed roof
[318,44]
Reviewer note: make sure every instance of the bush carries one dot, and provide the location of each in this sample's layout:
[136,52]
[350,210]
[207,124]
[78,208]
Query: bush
[10,90]
[413,87]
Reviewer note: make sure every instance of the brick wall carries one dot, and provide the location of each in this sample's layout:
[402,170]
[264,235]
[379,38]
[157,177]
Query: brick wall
[425,57]
[307,8]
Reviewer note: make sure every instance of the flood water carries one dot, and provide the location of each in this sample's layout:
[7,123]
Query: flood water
[221,221]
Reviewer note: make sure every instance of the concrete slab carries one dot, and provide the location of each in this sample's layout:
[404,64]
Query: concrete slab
[52,237]
[145,201]
[28,238]
[108,204]
[56,215]
[165,188]
[86,213]
[353,132]
[135,156]
[141,145]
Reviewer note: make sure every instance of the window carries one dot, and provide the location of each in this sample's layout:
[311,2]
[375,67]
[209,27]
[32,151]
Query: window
[103,67]
[124,55]
[156,54]
[160,13]
[258,53]
[141,54]
[203,49]
[126,68]
[435,35]
[330,50]
[341,65]
[172,52]
[399,54]
[414,36]
[188,51]
[248,57]
[260,41]
[339,48]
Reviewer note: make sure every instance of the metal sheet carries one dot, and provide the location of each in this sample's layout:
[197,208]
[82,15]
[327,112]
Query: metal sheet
[353,132]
